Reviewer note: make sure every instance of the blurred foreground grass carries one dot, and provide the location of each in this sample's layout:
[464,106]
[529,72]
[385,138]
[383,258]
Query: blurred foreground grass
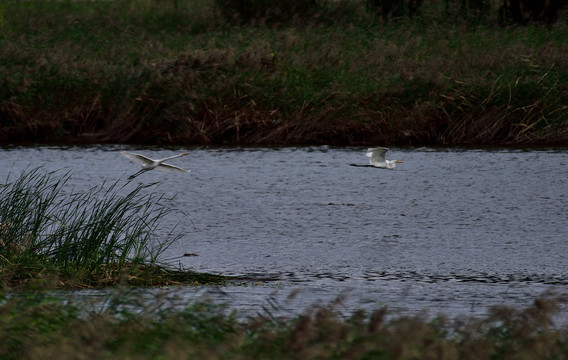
[39,326]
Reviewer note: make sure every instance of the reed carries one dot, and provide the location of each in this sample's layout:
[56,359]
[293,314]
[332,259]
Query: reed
[96,237]
[38,325]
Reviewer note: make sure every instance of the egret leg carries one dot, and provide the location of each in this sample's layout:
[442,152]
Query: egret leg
[135,175]
[360,165]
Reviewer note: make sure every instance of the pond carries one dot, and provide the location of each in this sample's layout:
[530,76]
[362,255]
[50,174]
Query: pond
[450,231]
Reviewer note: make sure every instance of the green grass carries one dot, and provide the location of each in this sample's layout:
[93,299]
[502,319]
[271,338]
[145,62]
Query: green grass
[39,326]
[143,71]
[52,236]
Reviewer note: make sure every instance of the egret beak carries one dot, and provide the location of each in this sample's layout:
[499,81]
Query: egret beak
[184,154]
[399,161]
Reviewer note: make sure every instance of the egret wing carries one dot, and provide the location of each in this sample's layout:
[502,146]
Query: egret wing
[171,168]
[141,159]
[377,156]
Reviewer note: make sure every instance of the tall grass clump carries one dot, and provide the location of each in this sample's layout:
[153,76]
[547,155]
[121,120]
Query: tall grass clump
[89,237]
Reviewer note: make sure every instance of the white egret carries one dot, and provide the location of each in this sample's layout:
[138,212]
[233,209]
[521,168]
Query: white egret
[378,160]
[150,164]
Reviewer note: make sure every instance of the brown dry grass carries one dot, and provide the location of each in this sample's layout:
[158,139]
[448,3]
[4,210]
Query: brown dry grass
[36,327]
[159,75]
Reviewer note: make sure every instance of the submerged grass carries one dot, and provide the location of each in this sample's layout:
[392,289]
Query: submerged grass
[98,237]
[169,72]
[38,326]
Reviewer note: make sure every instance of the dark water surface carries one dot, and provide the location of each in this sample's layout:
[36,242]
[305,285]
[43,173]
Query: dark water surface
[453,231]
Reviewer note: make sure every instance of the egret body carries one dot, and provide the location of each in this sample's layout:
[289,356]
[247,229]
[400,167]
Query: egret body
[151,164]
[377,159]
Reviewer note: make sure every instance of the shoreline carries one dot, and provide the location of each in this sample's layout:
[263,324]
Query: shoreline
[160,75]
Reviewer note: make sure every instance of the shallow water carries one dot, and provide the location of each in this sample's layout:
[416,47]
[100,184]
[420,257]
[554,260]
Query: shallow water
[452,231]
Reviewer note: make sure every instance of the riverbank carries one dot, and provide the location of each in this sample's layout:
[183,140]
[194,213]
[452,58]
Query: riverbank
[76,72]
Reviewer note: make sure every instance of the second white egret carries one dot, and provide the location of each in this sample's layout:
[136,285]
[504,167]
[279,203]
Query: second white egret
[378,160]
[151,164]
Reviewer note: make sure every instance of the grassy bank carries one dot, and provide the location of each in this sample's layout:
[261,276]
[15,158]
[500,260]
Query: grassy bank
[51,237]
[37,326]
[179,72]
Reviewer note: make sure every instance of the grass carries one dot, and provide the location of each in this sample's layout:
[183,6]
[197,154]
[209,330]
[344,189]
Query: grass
[38,326]
[51,236]
[178,72]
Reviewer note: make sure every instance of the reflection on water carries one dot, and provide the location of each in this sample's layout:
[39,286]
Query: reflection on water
[448,230]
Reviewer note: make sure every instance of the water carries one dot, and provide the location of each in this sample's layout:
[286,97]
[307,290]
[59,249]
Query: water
[450,230]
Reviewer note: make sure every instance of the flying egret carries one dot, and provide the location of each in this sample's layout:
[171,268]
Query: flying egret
[378,160]
[150,164]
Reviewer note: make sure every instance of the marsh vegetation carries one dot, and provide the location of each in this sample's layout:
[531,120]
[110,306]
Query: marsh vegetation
[39,326]
[205,72]
[52,236]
